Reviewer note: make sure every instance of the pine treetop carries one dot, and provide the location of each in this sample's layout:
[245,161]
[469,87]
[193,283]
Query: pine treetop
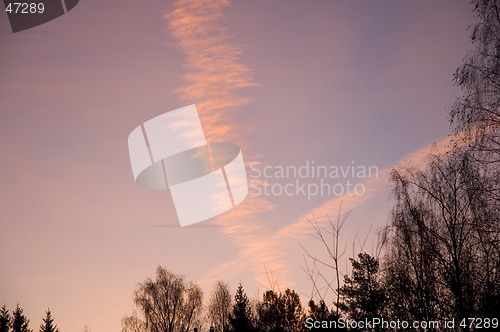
[4,319]
[19,323]
[48,323]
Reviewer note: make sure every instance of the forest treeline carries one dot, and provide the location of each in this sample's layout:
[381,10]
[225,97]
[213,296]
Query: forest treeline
[18,322]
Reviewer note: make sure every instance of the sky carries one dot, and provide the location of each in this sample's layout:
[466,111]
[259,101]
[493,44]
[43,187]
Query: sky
[294,83]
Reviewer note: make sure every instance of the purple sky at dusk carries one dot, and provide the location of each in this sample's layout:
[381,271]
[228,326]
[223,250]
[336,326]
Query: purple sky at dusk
[334,82]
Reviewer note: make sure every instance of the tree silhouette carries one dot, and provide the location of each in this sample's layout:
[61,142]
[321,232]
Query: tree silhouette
[219,307]
[168,304]
[476,115]
[4,319]
[241,316]
[362,294]
[133,323]
[48,323]
[444,253]
[19,322]
[477,111]
[280,312]
[321,270]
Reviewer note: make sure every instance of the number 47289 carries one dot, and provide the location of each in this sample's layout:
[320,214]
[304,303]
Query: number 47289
[25,8]
[479,323]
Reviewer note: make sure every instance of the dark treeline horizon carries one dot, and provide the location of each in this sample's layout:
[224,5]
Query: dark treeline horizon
[18,322]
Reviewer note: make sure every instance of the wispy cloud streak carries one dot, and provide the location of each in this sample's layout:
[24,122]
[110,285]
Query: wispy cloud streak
[213,82]
[214,74]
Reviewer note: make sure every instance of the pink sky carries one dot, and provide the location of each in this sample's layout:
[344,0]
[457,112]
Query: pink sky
[289,81]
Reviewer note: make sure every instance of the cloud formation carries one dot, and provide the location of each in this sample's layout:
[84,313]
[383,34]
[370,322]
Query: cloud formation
[212,81]
[214,74]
